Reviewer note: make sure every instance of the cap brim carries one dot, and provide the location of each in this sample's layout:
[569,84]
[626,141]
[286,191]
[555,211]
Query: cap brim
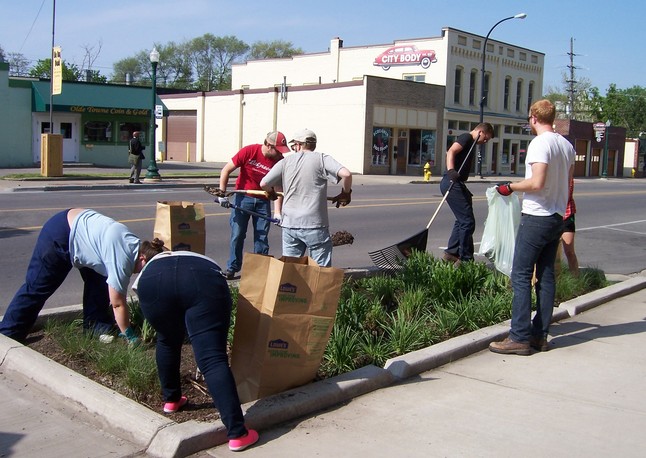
[282,149]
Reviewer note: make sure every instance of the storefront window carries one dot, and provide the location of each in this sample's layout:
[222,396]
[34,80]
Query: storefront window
[126,130]
[97,131]
[415,147]
[428,147]
[380,145]
[421,147]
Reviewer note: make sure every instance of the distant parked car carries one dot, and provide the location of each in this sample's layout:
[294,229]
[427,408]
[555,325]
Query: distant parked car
[405,55]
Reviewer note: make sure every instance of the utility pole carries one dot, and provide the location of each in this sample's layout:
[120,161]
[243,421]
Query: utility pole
[571,83]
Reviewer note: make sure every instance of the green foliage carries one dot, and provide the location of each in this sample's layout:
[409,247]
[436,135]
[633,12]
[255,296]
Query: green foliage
[569,286]
[272,50]
[43,69]
[428,302]
[623,107]
[378,318]
[134,368]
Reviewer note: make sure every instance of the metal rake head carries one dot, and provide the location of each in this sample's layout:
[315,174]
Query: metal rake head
[393,257]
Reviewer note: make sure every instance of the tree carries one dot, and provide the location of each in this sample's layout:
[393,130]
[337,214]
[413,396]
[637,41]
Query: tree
[582,99]
[43,69]
[273,50]
[130,70]
[18,64]
[623,107]
[212,58]
[2,56]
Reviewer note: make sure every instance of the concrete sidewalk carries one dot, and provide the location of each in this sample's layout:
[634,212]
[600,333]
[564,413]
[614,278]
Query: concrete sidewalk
[582,398]
[173,175]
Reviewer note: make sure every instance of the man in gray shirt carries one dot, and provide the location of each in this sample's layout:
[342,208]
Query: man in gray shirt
[303,177]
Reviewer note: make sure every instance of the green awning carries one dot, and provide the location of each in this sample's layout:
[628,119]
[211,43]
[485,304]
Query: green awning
[95,98]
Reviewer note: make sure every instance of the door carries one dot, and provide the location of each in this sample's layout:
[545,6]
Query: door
[65,125]
[402,148]
[611,163]
[514,157]
[594,162]
[181,136]
[579,163]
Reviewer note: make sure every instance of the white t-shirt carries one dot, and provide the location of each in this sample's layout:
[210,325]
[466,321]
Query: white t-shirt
[554,150]
[304,177]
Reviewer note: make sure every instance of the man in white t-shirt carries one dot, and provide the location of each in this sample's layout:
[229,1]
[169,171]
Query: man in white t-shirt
[303,176]
[549,167]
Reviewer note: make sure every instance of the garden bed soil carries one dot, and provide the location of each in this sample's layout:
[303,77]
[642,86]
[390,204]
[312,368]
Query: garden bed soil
[200,404]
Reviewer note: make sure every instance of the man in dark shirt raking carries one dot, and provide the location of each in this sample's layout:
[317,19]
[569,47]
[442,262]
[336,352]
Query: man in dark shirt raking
[460,200]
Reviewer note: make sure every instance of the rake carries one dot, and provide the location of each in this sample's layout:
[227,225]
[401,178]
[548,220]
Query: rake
[392,258]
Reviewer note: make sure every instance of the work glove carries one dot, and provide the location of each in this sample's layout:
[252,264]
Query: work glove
[453,175]
[224,202]
[342,199]
[271,194]
[130,336]
[217,192]
[504,189]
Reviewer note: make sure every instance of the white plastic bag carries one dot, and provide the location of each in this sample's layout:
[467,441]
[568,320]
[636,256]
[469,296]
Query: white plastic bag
[501,226]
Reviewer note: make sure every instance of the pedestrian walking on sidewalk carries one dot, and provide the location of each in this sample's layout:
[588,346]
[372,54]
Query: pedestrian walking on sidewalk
[135,157]
[549,166]
[186,292]
[105,252]
[254,161]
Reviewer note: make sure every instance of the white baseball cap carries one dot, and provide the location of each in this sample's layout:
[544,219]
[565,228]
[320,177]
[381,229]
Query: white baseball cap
[304,136]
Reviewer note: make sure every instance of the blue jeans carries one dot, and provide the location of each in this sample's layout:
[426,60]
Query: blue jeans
[49,265]
[460,201]
[536,245]
[239,221]
[180,294]
[317,241]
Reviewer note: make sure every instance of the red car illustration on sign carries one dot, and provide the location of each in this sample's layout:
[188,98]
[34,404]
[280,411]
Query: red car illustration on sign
[405,55]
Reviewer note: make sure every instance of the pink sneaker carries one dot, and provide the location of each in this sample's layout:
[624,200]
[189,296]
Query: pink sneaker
[172,407]
[240,443]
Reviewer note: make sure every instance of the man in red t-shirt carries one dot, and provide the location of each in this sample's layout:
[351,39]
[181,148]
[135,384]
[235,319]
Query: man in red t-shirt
[254,161]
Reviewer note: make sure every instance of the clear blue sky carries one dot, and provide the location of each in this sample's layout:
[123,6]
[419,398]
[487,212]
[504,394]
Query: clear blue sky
[609,36]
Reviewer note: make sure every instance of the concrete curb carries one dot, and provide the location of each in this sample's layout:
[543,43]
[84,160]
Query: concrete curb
[113,411]
[164,438]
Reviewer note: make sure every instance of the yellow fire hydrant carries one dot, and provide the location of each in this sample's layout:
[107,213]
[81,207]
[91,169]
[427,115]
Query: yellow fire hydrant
[427,171]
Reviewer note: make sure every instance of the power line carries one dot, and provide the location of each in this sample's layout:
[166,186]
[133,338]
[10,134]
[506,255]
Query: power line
[32,26]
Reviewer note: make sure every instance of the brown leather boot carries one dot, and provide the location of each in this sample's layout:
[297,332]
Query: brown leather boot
[538,343]
[510,347]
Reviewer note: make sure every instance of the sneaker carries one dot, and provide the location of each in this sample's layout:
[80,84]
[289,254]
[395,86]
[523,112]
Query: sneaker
[510,347]
[172,407]
[449,257]
[538,343]
[131,180]
[230,274]
[240,443]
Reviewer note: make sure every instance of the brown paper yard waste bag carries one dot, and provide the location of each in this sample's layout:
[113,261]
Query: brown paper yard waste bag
[181,225]
[284,318]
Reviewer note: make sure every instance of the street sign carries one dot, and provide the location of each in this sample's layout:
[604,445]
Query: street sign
[159,111]
[57,71]
[599,130]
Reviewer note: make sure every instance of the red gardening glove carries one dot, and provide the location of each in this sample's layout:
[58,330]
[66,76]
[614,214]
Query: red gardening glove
[504,189]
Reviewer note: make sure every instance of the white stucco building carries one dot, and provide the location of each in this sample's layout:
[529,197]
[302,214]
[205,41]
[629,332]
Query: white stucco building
[379,109]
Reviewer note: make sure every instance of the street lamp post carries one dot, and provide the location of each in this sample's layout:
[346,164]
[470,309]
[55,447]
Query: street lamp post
[482,84]
[153,172]
[604,163]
